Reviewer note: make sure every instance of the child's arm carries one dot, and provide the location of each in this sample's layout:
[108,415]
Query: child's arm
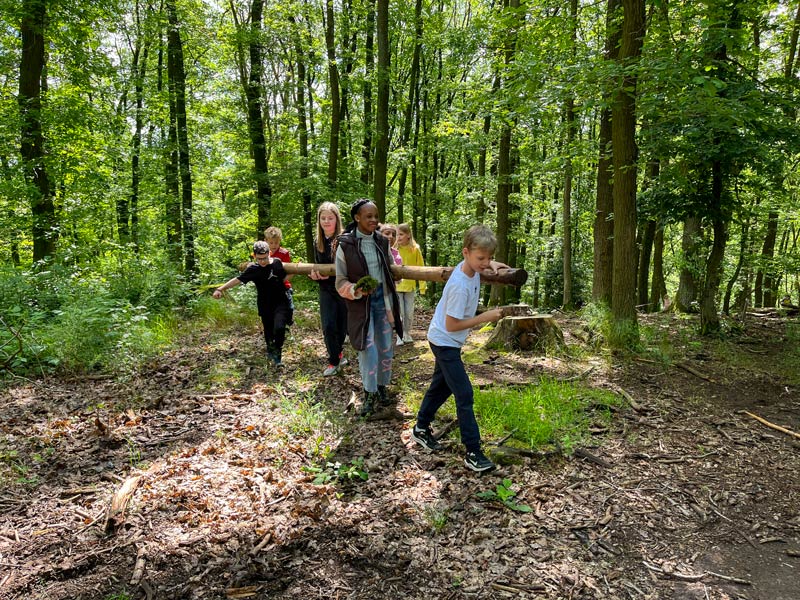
[344,286]
[231,283]
[490,316]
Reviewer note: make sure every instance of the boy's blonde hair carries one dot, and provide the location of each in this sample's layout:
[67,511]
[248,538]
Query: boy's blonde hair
[480,237]
[329,206]
[273,233]
[405,228]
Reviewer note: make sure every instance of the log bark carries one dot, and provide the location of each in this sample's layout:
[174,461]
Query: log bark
[515,277]
[537,332]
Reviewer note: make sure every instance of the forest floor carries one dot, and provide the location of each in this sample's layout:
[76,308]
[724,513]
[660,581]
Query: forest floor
[688,497]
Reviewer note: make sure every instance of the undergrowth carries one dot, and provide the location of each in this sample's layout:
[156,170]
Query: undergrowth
[549,412]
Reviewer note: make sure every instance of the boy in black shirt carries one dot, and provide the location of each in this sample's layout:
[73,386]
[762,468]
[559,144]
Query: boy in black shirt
[269,276]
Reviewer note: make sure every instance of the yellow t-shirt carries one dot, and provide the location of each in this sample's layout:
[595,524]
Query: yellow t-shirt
[412,257]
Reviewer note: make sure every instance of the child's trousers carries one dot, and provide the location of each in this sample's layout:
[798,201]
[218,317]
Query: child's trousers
[275,322]
[407,312]
[450,377]
[333,314]
[375,360]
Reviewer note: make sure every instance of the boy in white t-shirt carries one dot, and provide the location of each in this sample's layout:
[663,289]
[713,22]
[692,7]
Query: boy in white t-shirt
[454,317]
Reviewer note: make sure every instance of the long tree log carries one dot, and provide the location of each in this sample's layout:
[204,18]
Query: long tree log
[515,277]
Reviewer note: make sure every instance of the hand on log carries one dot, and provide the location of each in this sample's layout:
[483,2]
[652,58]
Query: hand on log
[515,277]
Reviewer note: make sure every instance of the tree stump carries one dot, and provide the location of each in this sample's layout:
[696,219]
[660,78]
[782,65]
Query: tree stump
[528,332]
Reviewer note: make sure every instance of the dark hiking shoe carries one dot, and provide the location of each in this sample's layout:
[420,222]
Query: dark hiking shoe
[477,461]
[424,437]
[368,407]
[383,397]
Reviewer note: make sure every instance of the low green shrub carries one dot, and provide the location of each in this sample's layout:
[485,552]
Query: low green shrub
[550,412]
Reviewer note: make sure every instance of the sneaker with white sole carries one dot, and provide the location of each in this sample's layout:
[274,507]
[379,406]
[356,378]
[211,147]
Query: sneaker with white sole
[343,359]
[398,341]
[477,461]
[407,339]
[330,370]
[425,438]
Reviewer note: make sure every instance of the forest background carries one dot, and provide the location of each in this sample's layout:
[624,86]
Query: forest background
[631,155]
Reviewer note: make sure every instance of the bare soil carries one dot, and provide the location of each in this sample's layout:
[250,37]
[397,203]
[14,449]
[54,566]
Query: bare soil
[690,498]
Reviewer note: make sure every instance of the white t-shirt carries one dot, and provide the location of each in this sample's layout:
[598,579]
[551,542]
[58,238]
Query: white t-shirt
[459,300]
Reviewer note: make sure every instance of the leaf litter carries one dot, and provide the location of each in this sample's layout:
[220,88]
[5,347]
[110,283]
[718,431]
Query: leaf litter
[690,500]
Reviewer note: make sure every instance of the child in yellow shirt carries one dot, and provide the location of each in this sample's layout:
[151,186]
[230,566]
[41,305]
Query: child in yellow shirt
[412,257]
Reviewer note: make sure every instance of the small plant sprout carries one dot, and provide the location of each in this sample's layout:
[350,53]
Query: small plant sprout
[334,472]
[504,494]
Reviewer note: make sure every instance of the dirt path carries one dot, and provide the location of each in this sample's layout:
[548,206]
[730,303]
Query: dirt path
[696,500]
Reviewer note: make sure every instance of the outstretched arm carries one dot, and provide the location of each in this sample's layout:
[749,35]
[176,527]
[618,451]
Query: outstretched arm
[490,316]
[231,283]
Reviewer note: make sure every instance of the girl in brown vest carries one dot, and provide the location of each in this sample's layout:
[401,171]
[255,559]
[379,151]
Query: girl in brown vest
[371,314]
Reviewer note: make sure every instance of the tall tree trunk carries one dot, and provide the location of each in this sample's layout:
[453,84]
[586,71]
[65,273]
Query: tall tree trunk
[647,239]
[382,108]
[139,70]
[172,187]
[255,121]
[31,69]
[369,60]
[623,130]
[658,288]
[302,140]
[645,252]
[569,117]
[709,317]
[504,163]
[333,87]
[690,264]
[764,295]
[603,229]
[743,242]
[480,208]
[411,107]
[177,79]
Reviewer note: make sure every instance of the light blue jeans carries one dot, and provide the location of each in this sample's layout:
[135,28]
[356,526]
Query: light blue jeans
[375,360]
[407,312]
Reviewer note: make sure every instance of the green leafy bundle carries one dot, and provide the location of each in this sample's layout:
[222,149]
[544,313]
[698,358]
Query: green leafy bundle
[366,284]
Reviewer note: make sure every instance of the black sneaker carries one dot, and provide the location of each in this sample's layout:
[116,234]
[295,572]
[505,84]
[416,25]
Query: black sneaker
[368,407]
[478,462]
[424,437]
[383,397]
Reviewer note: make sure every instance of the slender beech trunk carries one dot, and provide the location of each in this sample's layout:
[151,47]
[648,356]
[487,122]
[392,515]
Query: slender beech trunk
[136,143]
[764,294]
[302,140]
[566,216]
[658,287]
[480,208]
[333,87]
[623,130]
[603,229]
[369,60]
[255,120]
[709,318]
[31,69]
[743,238]
[382,108]
[645,252]
[177,79]
[690,264]
[411,107]
[172,186]
[504,163]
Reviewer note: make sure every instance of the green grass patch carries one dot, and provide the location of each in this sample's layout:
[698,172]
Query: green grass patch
[550,412]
